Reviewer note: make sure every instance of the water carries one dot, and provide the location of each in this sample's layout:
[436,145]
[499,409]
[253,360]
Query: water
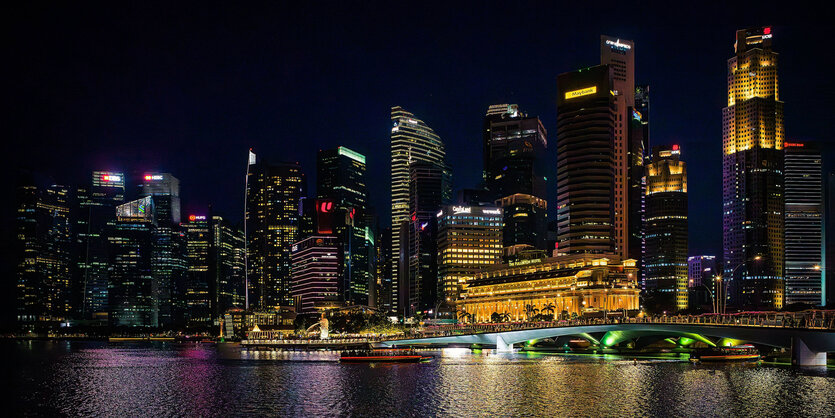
[166,379]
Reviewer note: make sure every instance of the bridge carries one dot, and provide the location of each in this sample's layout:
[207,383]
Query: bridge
[809,335]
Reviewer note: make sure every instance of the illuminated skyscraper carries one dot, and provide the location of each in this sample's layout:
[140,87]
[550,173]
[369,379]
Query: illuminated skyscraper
[429,189]
[132,300]
[804,223]
[665,260]
[514,166]
[227,258]
[619,55]
[752,174]
[316,270]
[586,169]
[165,189]
[469,239]
[169,258]
[198,285]
[272,215]
[97,206]
[411,141]
[342,179]
[44,246]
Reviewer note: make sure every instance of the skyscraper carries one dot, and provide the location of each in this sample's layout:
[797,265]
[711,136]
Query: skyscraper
[132,298]
[169,254]
[199,281]
[701,269]
[316,270]
[412,140]
[429,189]
[272,216]
[514,167]
[469,239]
[586,169]
[165,188]
[752,174]
[44,248]
[665,260]
[227,258]
[97,206]
[619,55]
[804,223]
[342,179]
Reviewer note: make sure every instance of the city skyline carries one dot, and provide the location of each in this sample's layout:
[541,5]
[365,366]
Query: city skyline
[689,128]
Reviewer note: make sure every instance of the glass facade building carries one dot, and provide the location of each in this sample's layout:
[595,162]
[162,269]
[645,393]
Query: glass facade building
[804,223]
[752,174]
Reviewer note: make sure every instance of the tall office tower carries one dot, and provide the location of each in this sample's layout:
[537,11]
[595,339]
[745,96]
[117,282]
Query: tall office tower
[752,174]
[97,207]
[227,256]
[514,167]
[804,223]
[411,141]
[429,189]
[525,222]
[44,249]
[342,179]
[639,147]
[169,268]
[829,242]
[469,239]
[586,171]
[701,269]
[316,268]
[619,55]
[272,216]
[198,285]
[665,261]
[132,298]
[385,260]
[169,258]
[165,189]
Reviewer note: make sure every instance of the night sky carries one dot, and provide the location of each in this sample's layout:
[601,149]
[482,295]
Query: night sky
[187,89]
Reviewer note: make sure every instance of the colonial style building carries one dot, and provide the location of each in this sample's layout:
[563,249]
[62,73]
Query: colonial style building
[582,284]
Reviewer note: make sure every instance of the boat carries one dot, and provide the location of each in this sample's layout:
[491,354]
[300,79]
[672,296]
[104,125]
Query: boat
[731,353]
[382,356]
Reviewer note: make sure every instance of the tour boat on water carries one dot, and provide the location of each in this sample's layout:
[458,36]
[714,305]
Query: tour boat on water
[733,353]
[387,356]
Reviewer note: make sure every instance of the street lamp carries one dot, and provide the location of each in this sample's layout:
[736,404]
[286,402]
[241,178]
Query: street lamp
[438,305]
[709,293]
[733,275]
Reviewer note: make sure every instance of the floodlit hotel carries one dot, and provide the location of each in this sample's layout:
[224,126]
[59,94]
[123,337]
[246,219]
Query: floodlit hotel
[579,284]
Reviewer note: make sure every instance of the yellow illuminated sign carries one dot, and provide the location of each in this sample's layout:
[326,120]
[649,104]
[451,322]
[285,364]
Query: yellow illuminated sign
[581,92]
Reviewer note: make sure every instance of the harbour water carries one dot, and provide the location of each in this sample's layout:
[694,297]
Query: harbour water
[168,379]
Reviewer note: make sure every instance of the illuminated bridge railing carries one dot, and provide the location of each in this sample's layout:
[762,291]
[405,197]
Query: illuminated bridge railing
[821,320]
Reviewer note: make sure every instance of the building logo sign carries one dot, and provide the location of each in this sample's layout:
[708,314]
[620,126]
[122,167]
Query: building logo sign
[581,92]
[618,44]
[149,177]
[491,211]
[461,209]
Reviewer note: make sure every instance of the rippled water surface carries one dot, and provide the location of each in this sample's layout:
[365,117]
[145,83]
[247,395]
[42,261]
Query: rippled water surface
[164,379]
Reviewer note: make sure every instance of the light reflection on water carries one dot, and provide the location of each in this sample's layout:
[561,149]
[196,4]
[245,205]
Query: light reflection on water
[101,379]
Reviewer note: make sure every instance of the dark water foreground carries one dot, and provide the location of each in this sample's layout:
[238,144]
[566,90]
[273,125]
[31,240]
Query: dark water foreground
[165,379]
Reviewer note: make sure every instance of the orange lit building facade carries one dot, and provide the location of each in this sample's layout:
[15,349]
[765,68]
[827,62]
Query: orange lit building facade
[581,284]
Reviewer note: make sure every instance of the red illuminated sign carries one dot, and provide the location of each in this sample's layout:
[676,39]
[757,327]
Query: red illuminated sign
[766,31]
[794,145]
[675,147]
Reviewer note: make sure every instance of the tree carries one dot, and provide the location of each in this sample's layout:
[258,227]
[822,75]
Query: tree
[495,317]
[574,315]
[530,311]
[465,316]
[504,317]
[549,308]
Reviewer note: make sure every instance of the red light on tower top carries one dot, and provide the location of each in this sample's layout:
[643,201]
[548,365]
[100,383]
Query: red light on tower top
[767,30]
[675,147]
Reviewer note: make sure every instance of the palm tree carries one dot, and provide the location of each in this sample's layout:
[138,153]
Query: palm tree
[465,316]
[549,308]
[504,317]
[496,317]
[530,310]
